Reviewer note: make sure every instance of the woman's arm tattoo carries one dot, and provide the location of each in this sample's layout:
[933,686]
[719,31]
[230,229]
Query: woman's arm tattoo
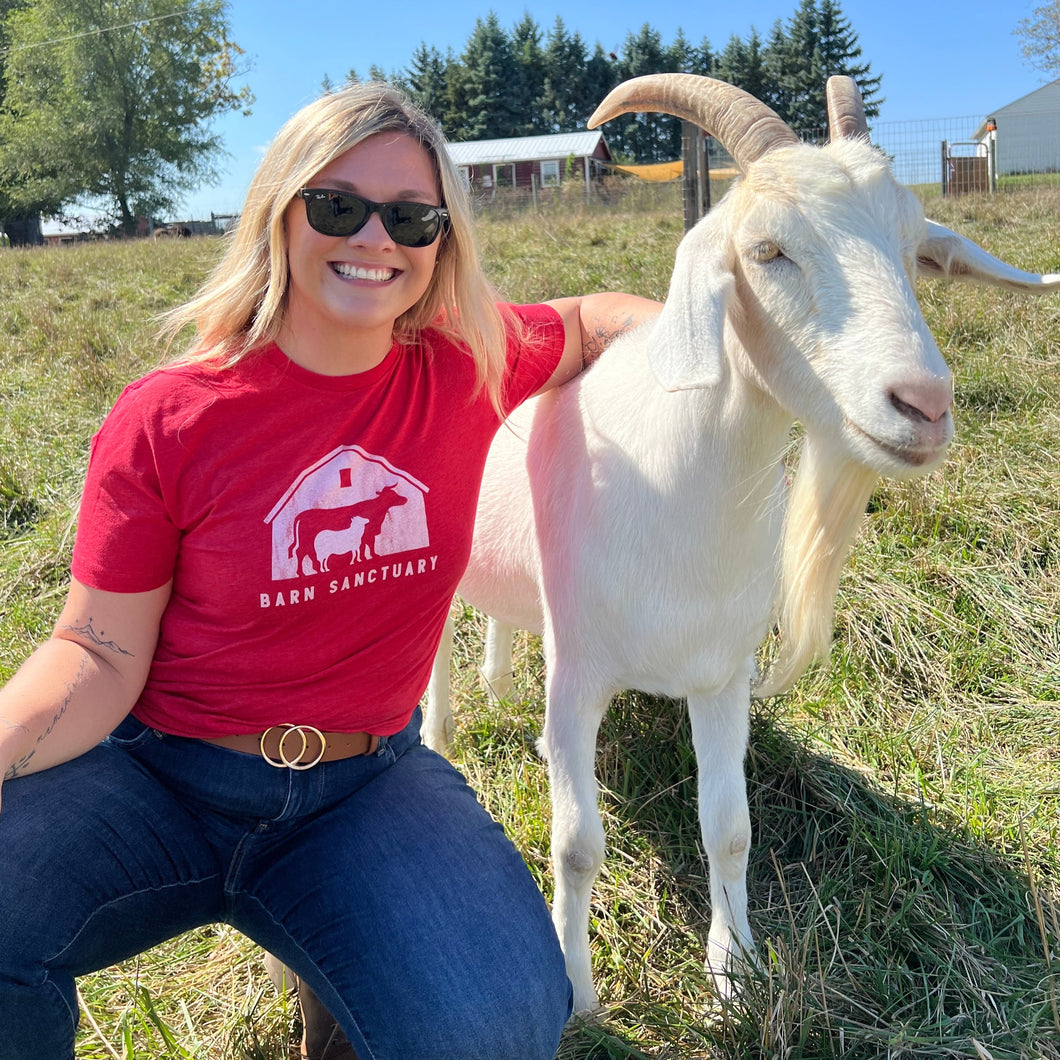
[18,767]
[602,334]
[92,636]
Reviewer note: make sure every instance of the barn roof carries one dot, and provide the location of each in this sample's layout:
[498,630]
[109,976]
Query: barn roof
[525,148]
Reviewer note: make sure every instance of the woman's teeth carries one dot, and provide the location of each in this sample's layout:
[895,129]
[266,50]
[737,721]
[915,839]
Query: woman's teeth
[358,272]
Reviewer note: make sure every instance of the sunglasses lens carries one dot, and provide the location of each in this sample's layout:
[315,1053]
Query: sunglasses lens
[412,224]
[336,214]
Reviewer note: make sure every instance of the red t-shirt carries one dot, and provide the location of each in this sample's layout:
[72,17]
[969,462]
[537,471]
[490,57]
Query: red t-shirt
[315,528]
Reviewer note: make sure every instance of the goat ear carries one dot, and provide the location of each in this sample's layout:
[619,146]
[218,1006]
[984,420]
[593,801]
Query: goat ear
[685,350]
[946,255]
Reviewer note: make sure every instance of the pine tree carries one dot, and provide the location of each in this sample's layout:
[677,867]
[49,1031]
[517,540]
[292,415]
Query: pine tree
[741,64]
[779,72]
[680,55]
[600,78]
[565,87]
[426,81]
[817,43]
[704,61]
[488,65]
[839,48]
[527,86]
[513,85]
[457,120]
[802,85]
[647,137]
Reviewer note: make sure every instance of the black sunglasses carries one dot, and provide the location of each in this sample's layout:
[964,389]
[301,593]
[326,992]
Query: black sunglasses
[341,213]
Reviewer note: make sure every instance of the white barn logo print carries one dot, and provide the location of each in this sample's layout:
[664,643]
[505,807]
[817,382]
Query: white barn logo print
[349,510]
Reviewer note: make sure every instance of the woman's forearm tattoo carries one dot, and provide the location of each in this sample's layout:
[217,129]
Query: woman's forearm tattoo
[20,765]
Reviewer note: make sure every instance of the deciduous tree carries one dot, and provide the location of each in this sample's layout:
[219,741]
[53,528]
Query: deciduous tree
[111,101]
[20,221]
[1040,35]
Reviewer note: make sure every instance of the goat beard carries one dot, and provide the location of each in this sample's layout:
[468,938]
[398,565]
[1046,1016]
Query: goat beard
[825,509]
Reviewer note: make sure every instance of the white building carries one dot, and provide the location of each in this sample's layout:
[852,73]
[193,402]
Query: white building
[1028,132]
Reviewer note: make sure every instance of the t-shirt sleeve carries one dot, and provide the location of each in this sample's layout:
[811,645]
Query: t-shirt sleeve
[533,358]
[126,539]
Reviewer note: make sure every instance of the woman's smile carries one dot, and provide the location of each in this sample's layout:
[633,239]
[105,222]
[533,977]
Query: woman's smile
[363,272]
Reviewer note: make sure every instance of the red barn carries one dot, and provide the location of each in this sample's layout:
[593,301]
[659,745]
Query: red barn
[531,162]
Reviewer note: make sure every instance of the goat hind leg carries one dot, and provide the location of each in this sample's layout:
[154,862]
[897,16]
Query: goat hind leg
[497,667]
[720,725]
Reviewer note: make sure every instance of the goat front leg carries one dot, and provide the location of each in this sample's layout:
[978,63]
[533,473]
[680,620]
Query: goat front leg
[720,726]
[572,720]
[438,713]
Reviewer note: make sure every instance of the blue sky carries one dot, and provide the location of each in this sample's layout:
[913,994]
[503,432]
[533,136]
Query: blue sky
[938,59]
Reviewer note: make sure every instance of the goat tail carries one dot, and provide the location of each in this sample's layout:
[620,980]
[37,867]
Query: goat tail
[825,509]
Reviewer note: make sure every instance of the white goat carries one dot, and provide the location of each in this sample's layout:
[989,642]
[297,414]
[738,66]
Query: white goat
[635,518]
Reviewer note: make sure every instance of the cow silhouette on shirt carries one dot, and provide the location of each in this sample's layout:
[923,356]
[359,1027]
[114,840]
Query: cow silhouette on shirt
[321,534]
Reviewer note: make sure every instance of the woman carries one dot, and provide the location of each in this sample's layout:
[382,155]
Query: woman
[271,531]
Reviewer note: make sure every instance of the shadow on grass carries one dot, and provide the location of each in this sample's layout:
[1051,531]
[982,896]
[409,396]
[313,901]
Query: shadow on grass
[882,930]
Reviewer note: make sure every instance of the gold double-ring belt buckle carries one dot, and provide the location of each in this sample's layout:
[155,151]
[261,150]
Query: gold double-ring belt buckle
[286,760]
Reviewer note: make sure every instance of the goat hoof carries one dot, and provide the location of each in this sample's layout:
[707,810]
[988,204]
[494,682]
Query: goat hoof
[501,689]
[587,1005]
[726,967]
[439,738]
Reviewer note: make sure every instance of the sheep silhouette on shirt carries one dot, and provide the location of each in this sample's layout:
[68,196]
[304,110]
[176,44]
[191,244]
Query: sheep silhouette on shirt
[320,534]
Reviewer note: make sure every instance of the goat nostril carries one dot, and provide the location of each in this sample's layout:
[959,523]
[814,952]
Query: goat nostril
[928,402]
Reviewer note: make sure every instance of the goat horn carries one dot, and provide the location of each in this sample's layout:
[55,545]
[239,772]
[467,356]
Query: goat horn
[745,126]
[846,113]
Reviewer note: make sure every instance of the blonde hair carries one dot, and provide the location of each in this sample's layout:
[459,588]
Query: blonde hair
[241,305]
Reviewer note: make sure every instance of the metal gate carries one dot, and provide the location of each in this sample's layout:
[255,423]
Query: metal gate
[967,168]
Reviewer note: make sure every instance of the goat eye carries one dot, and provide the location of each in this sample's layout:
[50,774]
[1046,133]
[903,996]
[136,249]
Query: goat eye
[764,252]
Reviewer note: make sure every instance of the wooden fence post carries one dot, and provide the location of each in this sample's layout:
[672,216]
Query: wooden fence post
[695,183]
[690,178]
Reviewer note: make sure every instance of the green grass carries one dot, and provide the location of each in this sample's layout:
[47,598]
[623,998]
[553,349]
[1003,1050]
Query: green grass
[905,877]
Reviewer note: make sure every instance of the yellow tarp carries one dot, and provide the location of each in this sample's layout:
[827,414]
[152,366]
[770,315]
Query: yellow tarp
[658,171]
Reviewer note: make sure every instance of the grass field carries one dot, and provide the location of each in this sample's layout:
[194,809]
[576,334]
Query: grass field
[905,875]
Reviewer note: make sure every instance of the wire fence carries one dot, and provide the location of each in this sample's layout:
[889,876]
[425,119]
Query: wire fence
[928,153]
[916,147]
[921,152]
[932,156]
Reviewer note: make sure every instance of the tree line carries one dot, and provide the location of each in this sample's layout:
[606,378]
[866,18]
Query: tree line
[526,82]
[112,103]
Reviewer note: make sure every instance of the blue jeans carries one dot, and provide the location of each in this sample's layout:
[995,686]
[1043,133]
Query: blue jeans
[379,880]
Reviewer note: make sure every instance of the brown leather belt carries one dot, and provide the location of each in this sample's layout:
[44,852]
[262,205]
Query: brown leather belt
[299,746]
